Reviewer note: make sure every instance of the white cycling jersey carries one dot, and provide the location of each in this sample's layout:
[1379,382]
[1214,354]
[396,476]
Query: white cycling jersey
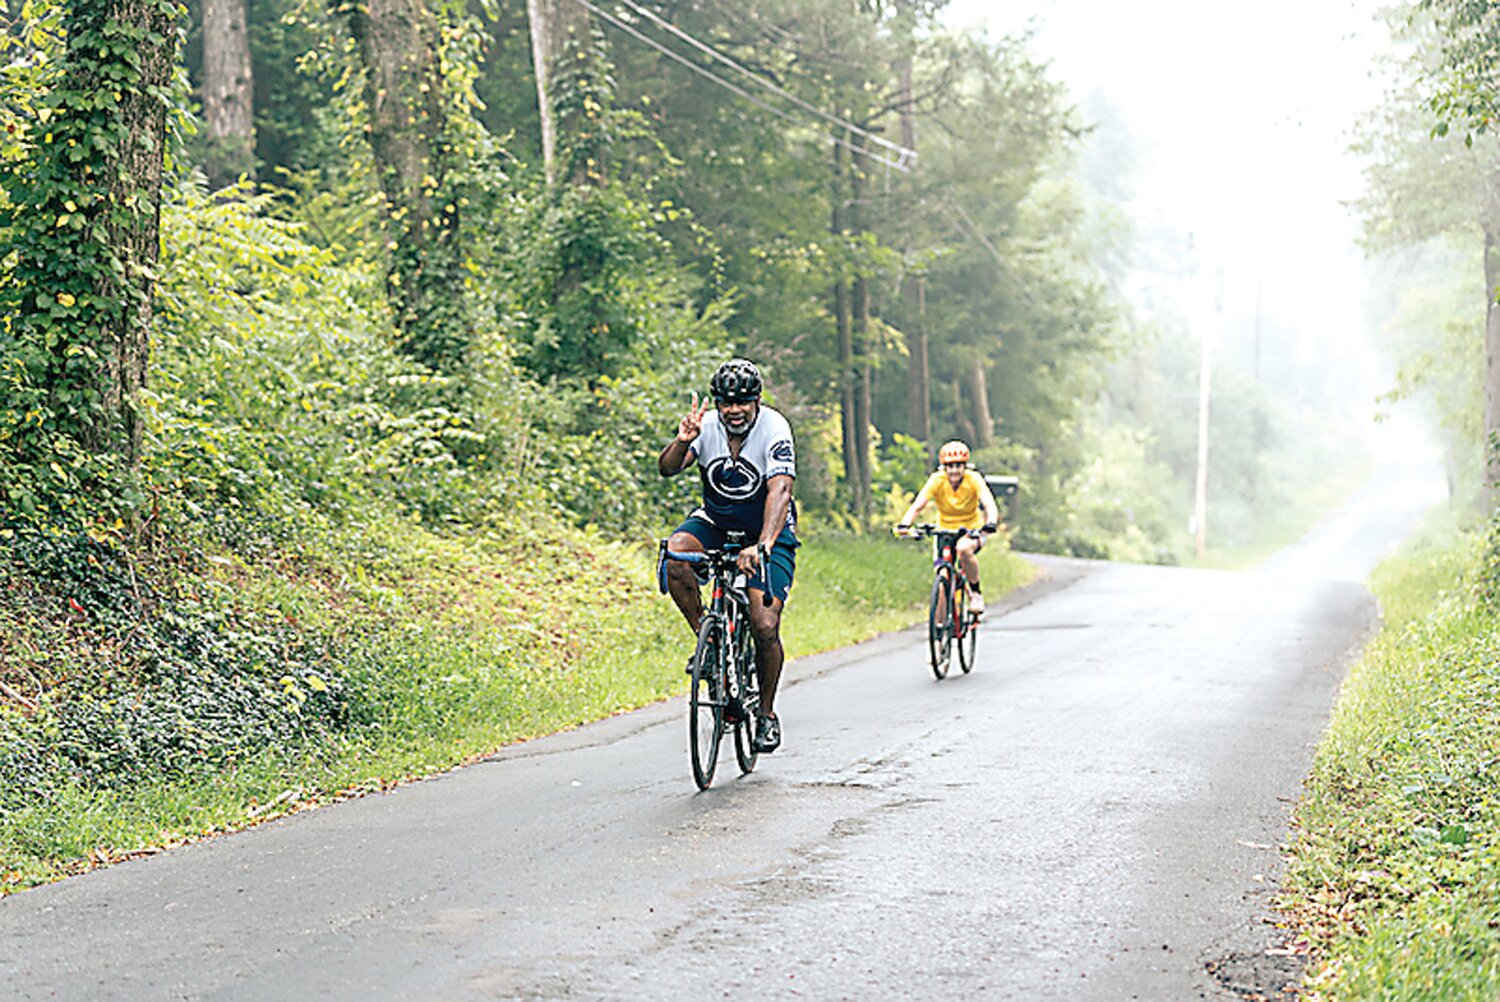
[734,488]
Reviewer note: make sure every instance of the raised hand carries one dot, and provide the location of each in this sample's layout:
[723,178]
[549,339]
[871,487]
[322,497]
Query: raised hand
[692,422]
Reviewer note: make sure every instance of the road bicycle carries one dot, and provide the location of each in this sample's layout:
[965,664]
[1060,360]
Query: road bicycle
[726,686]
[949,621]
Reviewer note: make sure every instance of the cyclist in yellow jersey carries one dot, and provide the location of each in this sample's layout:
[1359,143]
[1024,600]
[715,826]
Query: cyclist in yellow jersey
[963,501]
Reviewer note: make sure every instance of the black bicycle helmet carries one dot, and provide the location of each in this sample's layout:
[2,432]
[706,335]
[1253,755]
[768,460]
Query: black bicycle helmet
[736,382]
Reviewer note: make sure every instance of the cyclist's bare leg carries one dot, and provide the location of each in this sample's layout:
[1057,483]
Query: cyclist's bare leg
[765,625]
[682,583]
[968,547]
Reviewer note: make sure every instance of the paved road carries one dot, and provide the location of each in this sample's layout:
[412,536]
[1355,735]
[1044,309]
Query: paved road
[1092,814]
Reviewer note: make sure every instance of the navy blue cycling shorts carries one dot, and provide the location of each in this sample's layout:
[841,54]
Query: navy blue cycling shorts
[782,562]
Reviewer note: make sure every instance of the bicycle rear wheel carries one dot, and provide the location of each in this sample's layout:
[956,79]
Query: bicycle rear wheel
[706,700]
[967,628]
[748,692]
[939,626]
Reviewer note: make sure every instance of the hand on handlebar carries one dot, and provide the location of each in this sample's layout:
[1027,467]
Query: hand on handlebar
[904,529]
[752,559]
[990,528]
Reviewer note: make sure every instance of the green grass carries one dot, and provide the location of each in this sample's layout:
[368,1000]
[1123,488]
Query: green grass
[1395,876]
[450,648]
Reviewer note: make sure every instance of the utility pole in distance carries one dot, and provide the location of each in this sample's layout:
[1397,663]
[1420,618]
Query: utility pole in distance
[1200,487]
[1212,321]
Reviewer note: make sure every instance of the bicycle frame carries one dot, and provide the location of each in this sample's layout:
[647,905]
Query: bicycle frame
[948,618]
[727,690]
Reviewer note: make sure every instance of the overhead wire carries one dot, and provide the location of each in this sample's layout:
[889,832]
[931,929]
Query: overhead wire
[900,164]
[905,155]
[902,152]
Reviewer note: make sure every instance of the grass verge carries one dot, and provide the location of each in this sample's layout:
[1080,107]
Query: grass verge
[1395,874]
[381,656]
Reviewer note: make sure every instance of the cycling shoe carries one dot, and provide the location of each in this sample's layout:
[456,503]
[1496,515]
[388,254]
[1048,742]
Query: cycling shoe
[767,734]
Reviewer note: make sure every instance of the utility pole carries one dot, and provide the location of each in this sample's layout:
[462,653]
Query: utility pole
[1212,321]
[1200,491]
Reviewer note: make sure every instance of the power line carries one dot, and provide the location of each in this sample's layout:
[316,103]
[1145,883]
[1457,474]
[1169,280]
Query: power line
[902,152]
[905,155]
[860,150]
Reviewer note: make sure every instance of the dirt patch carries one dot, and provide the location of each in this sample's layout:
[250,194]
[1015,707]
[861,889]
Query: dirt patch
[1273,975]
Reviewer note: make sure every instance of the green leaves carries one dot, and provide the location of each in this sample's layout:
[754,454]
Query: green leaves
[78,249]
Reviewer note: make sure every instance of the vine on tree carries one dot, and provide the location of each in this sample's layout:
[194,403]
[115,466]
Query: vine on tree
[78,249]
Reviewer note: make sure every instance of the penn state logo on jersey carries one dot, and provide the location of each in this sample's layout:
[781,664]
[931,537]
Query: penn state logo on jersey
[733,481]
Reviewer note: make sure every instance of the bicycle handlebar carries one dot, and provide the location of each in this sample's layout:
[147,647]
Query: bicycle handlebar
[926,529]
[720,558]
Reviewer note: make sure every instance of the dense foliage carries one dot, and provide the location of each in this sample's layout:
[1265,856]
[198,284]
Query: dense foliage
[1460,82]
[1393,880]
[407,357]
[78,246]
[1431,213]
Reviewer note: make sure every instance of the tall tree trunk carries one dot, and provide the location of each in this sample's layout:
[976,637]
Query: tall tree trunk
[1491,368]
[228,92]
[842,323]
[984,421]
[862,395]
[966,429]
[918,377]
[399,47]
[76,308]
[861,349]
[847,409]
[553,23]
[914,287]
[132,174]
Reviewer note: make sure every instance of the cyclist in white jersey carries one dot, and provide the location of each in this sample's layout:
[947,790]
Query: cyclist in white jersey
[747,464]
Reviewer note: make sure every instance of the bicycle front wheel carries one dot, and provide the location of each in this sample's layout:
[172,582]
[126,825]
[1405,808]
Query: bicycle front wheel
[706,700]
[748,693]
[967,628]
[939,627]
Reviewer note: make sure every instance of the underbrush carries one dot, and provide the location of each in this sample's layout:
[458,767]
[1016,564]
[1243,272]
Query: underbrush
[1395,878]
[164,697]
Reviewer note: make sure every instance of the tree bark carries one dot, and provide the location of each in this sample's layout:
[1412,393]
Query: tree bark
[552,23]
[984,421]
[228,93]
[966,429]
[861,351]
[914,287]
[862,395]
[403,87]
[842,324]
[132,172]
[918,376]
[848,412]
[1491,494]
[398,45]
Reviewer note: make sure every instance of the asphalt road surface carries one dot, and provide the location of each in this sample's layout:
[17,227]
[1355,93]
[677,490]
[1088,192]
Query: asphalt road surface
[1094,813]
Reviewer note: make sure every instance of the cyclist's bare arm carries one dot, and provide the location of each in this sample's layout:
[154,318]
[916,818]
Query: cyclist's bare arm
[923,498]
[778,503]
[987,501]
[678,455]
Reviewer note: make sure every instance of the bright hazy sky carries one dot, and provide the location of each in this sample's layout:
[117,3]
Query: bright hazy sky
[1242,113]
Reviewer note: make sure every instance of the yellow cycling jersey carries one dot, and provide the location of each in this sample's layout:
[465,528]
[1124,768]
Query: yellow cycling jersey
[957,509]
